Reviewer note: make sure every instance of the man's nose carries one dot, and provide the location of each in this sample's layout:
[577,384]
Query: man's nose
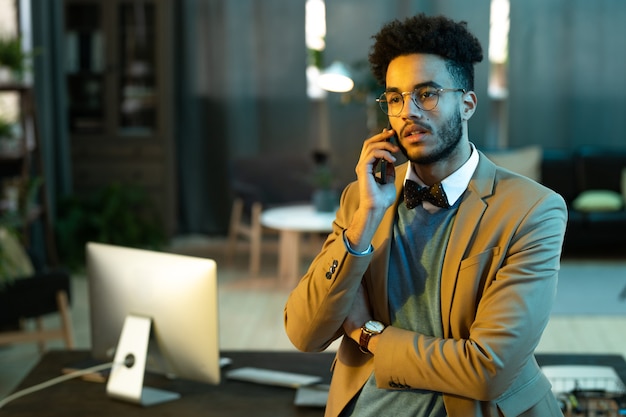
[410,108]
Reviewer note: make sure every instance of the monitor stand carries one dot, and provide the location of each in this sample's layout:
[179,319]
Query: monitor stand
[129,366]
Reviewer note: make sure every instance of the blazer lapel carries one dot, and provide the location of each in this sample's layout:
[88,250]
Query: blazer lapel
[469,215]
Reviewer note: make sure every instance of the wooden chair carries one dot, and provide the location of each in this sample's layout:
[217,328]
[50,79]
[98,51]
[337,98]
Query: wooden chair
[258,182]
[32,298]
[249,227]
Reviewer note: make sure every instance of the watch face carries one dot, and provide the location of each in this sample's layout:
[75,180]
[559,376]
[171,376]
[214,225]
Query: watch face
[374,326]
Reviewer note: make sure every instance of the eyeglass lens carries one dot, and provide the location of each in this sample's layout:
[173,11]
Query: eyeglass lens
[392,103]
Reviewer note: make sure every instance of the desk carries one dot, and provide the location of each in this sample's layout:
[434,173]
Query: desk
[291,222]
[231,398]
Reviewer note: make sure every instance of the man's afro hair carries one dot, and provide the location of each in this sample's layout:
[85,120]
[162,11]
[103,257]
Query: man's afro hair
[423,34]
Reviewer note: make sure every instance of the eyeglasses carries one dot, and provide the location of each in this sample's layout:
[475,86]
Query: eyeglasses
[426,99]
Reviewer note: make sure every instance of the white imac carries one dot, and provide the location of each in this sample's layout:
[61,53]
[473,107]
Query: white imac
[156,310]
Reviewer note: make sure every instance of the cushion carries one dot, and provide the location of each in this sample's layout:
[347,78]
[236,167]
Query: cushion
[598,200]
[14,261]
[525,161]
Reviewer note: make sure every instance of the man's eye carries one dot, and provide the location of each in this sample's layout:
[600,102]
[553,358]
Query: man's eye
[394,99]
[426,94]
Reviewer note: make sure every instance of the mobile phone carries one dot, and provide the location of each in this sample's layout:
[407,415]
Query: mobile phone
[383,163]
[383,172]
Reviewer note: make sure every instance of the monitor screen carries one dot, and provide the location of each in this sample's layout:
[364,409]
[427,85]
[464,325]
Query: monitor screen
[177,292]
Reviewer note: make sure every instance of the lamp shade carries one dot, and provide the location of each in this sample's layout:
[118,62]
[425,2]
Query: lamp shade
[336,78]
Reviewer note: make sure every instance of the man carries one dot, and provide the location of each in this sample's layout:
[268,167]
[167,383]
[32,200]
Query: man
[440,308]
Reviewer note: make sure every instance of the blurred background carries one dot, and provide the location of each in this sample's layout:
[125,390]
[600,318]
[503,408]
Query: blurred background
[155,101]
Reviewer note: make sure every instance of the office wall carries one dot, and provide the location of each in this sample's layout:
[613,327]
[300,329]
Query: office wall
[242,91]
[249,60]
[567,73]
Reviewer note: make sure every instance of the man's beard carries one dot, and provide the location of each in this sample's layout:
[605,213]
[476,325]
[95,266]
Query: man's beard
[449,138]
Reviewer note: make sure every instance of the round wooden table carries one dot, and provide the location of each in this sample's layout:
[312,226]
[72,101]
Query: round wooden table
[291,222]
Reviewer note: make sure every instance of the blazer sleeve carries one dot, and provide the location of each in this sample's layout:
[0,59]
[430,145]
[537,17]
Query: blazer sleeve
[316,308]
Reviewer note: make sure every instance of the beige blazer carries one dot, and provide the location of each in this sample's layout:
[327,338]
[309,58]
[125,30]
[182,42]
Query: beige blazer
[499,279]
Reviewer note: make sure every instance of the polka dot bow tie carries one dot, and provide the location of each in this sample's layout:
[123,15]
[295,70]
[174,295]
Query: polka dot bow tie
[414,194]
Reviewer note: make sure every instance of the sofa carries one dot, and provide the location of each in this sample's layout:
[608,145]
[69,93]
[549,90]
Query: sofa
[592,180]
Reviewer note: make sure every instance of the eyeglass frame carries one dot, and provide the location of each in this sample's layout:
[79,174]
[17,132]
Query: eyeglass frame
[413,94]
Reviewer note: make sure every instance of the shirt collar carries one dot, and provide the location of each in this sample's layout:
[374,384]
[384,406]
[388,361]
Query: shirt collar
[454,184]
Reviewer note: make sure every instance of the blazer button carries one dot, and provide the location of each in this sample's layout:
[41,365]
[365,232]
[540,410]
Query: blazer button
[332,269]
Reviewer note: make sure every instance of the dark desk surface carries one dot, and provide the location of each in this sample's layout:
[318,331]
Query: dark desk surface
[230,398]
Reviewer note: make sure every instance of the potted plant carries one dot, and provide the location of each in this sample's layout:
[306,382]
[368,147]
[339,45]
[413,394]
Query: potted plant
[13,59]
[119,214]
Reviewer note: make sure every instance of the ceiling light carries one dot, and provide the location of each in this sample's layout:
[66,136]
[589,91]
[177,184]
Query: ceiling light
[336,78]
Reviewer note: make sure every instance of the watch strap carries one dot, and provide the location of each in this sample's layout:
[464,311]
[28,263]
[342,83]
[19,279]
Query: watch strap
[364,340]
[366,335]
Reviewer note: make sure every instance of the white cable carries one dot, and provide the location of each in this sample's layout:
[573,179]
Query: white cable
[54,381]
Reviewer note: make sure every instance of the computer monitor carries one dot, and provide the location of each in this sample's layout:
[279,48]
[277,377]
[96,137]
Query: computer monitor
[167,298]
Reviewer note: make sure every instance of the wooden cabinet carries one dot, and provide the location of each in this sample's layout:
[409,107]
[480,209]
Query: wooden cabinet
[23,198]
[119,85]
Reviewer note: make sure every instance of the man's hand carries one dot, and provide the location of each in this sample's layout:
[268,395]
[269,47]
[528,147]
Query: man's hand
[375,195]
[375,198]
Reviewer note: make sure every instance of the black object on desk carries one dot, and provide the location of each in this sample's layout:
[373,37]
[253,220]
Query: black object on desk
[231,398]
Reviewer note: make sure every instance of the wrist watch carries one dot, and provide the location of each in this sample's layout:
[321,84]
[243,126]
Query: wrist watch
[370,328]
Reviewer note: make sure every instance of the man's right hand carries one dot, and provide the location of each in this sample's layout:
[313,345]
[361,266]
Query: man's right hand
[375,197]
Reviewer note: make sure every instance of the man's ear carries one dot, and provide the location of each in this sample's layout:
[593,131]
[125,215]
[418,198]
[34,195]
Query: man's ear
[468,105]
